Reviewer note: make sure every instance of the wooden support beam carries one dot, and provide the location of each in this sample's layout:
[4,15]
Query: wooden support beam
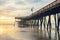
[44,18]
[58,17]
[55,26]
[49,27]
[41,20]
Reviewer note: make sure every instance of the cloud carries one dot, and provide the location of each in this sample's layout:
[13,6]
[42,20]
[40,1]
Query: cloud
[24,2]
[2,2]
[20,2]
[21,7]
[33,1]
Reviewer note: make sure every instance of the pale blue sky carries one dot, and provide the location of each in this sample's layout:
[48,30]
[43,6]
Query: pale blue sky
[21,8]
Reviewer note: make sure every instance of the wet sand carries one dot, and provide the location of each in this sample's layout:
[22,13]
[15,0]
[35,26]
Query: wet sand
[17,33]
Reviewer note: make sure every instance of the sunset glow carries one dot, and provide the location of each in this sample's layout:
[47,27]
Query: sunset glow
[6,20]
[5,24]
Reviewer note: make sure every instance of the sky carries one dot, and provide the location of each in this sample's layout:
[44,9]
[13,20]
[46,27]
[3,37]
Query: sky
[21,8]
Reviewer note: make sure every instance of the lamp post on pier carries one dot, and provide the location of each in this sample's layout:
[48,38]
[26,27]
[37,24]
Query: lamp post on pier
[32,15]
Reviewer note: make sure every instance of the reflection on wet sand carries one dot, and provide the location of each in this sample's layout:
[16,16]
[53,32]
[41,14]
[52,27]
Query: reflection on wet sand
[17,33]
[7,33]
